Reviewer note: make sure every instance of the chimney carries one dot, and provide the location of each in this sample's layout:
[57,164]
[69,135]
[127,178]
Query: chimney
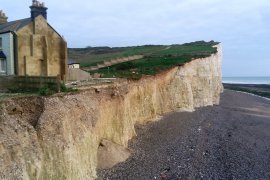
[37,9]
[3,18]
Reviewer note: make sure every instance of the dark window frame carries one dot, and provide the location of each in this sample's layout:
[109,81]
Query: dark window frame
[1,43]
[3,69]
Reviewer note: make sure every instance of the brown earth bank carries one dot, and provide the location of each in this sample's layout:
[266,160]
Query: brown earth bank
[228,141]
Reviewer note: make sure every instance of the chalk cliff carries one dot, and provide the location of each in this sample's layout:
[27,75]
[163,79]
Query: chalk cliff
[58,137]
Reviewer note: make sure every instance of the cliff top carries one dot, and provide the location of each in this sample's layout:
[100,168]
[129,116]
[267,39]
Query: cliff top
[156,58]
[92,55]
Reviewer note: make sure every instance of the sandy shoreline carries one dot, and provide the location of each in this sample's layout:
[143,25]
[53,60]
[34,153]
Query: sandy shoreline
[229,141]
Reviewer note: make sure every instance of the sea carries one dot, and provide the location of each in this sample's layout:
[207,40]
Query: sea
[246,80]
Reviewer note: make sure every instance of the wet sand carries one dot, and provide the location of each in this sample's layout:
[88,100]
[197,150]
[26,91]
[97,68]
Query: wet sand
[228,141]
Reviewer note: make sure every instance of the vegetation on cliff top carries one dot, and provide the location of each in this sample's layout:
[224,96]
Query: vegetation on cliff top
[156,58]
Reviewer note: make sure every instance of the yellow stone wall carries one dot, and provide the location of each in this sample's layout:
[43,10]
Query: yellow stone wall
[41,50]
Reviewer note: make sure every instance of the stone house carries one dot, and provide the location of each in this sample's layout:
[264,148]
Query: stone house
[31,46]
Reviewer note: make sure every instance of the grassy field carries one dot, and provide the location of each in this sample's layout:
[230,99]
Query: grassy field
[91,56]
[156,58]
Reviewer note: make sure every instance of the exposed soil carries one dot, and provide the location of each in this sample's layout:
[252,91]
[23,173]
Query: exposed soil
[229,141]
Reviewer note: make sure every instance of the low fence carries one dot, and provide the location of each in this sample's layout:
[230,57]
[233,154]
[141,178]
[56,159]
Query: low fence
[33,82]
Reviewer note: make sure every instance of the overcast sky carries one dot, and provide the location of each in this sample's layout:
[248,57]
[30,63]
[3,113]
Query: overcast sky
[242,26]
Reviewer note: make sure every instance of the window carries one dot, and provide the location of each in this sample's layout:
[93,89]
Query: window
[2,65]
[0,43]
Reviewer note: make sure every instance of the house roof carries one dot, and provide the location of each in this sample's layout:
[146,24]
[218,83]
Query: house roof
[14,26]
[72,61]
[2,55]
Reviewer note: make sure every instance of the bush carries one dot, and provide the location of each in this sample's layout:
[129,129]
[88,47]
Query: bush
[45,91]
[125,66]
[64,88]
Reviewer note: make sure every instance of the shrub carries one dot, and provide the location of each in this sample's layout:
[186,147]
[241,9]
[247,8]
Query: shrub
[125,66]
[64,88]
[45,91]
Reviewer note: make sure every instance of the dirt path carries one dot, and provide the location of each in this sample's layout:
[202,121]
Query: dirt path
[167,48]
[229,141]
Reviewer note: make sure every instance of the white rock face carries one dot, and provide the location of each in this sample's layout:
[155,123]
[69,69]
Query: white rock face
[202,78]
[58,137]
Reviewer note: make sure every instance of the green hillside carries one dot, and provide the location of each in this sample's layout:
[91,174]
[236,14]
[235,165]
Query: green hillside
[156,57]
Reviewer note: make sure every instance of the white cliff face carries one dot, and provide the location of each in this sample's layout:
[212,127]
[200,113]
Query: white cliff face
[58,137]
[202,78]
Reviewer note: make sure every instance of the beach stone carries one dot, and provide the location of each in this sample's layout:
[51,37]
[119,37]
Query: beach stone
[233,143]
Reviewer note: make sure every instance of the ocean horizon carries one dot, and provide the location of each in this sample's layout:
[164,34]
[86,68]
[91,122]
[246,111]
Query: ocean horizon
[246,80]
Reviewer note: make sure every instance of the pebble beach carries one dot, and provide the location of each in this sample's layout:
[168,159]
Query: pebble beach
[227,141]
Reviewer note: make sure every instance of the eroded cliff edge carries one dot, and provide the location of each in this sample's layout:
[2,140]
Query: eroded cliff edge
[57,137]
